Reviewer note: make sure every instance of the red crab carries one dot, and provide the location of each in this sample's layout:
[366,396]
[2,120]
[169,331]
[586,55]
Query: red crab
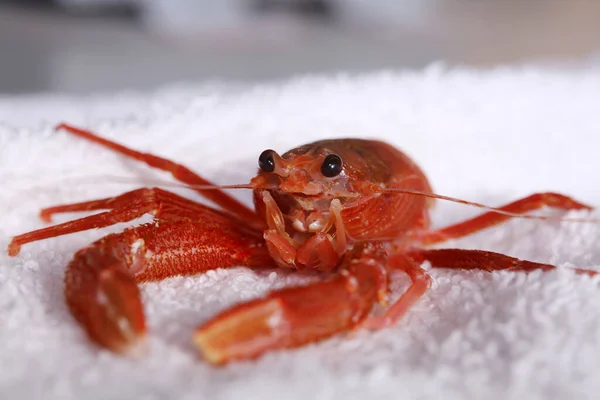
[358,208]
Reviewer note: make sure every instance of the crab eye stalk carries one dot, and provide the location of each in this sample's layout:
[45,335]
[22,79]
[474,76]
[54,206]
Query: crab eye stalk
[332,166]
[266,162]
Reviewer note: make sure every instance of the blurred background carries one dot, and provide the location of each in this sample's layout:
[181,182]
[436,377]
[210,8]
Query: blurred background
[102,45]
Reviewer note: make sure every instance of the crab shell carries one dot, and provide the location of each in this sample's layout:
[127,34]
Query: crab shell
[304,194]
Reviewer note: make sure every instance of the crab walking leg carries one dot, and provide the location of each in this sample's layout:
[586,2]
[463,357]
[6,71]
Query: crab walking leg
[421,282]
[164,203]
[296,316]
[178,171]
[489,219]
[126,207]
[101,280]
[479,259]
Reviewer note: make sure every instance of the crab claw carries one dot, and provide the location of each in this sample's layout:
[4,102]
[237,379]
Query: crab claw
[292,317]
[288,318]
[106,300]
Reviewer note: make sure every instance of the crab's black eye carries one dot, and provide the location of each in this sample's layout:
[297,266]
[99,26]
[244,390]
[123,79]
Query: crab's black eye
[266,161]
[332,166]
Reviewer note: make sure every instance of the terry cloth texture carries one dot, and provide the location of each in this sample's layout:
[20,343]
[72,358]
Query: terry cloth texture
[490,137]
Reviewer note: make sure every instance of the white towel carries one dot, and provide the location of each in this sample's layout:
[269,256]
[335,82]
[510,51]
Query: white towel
[484,136]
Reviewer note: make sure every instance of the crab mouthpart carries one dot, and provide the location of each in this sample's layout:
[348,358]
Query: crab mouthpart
[303,188]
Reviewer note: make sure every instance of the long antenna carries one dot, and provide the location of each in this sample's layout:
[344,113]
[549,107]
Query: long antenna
[160,183]
[487,208]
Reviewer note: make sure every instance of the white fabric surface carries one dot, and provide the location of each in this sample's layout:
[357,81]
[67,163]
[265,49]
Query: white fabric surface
[484,136]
